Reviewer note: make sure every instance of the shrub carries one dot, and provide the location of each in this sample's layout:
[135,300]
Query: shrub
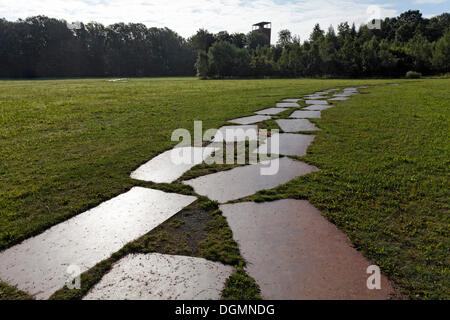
[413,75]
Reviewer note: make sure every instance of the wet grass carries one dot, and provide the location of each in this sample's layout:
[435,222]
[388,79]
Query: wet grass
[241,287]
[66,146]
[270,125]
[10,293]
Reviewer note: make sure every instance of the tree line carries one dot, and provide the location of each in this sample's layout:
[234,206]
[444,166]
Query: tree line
[45,47]
[405,43]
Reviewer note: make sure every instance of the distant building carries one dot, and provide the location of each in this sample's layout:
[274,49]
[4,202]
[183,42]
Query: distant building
[264,28]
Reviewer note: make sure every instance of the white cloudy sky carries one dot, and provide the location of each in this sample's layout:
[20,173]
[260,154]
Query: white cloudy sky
[187,16]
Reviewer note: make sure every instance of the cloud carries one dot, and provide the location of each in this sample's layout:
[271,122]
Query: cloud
[186,17]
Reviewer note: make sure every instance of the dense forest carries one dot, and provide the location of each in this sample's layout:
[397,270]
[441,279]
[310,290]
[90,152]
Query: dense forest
[45,47]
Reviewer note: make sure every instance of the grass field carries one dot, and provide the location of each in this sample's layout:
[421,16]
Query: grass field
[68,145]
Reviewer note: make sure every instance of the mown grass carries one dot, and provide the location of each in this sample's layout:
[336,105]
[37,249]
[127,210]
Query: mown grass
[241,287]
[67,146]
[10,293]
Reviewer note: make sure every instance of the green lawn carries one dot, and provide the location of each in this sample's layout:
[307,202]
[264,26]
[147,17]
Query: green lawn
[68,145]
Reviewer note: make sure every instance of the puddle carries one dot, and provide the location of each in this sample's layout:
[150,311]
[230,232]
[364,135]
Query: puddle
[318,107]
[296,125]
[288,144]
[271,111]
[236,133]
[250,120]
[294,253]
[287,105]
[172,164]
[324,102]
[306,114]
[39,265]
[162,277]
[245,181]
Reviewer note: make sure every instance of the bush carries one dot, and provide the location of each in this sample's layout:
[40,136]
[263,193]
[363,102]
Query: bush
[413,75]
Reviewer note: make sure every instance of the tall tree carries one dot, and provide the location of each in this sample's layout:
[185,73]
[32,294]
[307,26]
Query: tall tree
[317,34]
[202,40]
[256,39]
[441,60]
[284,38]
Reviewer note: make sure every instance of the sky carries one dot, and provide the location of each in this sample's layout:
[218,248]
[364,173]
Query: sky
[187,16]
